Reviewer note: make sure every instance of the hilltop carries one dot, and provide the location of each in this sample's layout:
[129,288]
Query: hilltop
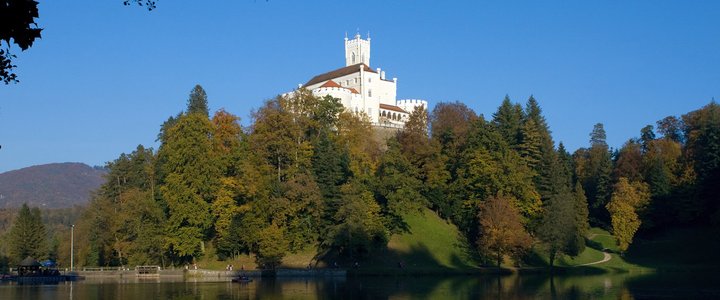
[54,185]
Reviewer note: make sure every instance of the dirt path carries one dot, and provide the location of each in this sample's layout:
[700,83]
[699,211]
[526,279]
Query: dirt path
[606,258]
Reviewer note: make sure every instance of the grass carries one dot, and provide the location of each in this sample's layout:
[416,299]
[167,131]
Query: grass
[431,245]
[434,246]
[430,242]
[589,255]
[677,250]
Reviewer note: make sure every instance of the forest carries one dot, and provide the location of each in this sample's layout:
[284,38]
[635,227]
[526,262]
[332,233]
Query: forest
[308,174]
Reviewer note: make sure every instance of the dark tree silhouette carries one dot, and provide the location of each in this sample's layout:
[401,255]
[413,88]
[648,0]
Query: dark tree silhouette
[18,26]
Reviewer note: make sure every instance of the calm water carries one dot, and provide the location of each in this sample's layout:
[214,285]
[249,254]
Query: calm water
[623,286]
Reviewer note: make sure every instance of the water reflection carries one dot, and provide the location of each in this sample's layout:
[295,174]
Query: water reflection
[618,286]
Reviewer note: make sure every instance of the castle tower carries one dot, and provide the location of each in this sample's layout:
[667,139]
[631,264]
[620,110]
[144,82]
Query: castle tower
[357,50]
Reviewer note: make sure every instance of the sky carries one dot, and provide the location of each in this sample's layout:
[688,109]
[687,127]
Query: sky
[104,76]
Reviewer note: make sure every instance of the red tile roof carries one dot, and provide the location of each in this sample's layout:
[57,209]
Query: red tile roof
[338,73]
[392,107]
[331,83]
[334,84]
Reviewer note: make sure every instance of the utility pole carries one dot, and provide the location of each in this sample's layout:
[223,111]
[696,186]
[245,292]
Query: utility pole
[72,247]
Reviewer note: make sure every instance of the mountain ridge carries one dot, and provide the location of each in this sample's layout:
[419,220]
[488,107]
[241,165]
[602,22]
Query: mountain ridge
[55,185]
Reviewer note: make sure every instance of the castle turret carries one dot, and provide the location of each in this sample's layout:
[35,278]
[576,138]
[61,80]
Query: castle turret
[357,51]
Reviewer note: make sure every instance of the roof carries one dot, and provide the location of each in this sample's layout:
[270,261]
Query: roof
[339,73]
[331,83]
[392,107]
[29,262]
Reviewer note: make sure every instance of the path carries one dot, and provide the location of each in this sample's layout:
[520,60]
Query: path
[606,257]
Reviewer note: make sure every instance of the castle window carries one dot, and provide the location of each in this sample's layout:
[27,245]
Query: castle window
[353,57]
[355,79]
[369,93]
[369,79]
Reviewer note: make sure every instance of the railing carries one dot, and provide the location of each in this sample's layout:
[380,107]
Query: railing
[145,271]
[104,269]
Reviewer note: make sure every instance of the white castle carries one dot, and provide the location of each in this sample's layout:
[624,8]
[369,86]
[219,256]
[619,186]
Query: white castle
[362,89]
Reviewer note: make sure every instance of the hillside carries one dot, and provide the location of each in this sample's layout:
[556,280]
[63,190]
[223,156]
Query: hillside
[49,186]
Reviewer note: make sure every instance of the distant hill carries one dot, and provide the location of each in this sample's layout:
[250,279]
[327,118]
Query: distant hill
[50,186]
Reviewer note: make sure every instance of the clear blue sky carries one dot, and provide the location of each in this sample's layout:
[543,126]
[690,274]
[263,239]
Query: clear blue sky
[104,76]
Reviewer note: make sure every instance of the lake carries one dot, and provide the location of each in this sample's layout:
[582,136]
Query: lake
[606,286]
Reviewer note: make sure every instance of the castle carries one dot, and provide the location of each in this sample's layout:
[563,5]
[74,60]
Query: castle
[362,89]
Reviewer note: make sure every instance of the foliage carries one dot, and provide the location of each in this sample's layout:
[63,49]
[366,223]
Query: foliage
[272,247]
[397,187]
[594,167]
[17,23]
[27,236]
[559,229]
[358,226]
[197,101]
[501,230]
[308,175]
[628,199]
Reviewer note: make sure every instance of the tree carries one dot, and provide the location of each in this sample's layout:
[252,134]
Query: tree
[272,247]
[508,120]
[17,23]
[150,4]
[558,228]
[629,162]
[581,219]
[450,125]
[501,229]
[190,184]
[198,102]
[397,187]
[598,136]
[27,236]
[353,134]
[357,225]
[702,148]
[647,134]
[426,157]
[530,144]
[594,169]
[330,166]
[670,127]
[277,135]
[628,199]
[137,229]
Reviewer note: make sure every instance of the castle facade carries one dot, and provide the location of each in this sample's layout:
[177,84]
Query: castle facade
[362,89]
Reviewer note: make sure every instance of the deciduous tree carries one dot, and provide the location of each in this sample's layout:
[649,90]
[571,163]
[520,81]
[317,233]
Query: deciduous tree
[501,229]
[627,200]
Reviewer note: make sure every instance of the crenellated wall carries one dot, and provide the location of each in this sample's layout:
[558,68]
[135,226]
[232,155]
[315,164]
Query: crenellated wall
[409,105]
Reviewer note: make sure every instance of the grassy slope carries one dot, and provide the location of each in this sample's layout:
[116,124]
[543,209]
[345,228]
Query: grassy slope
[431,243]
[434,245]
[677,249]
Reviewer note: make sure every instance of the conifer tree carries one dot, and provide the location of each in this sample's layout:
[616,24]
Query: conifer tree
[594,169]
[190,184]
[27,236]
[198,102]
[508,120]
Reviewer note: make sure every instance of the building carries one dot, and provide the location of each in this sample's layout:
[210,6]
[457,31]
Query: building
[361,88]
